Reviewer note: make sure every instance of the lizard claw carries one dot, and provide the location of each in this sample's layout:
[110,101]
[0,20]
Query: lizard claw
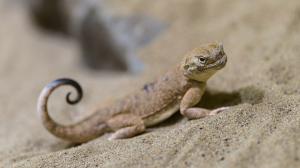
[111,138]
[218,110]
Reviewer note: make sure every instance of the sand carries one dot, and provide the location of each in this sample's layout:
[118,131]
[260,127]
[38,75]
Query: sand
[261,83]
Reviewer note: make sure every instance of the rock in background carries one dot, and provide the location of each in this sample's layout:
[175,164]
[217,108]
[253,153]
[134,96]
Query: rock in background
[108,40]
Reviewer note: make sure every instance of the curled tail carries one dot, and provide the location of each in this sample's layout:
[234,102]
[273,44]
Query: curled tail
[82,131]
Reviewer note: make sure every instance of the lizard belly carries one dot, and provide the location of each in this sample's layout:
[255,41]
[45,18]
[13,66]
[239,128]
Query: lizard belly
[160,116]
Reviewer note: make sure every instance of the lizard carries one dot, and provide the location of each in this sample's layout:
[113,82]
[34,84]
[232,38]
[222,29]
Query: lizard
[179,89]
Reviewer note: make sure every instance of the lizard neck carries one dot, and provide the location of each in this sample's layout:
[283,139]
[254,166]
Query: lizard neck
[201,77]
[183,81]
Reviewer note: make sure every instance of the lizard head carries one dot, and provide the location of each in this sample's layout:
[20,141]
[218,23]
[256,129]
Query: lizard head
[204,61]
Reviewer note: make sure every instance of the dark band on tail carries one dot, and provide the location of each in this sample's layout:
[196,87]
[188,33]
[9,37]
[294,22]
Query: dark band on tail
[71,82]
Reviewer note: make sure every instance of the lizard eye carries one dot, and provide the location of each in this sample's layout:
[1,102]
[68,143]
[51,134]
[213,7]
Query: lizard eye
[202,60]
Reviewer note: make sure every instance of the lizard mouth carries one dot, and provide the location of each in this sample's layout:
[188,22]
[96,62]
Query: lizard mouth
[219,64]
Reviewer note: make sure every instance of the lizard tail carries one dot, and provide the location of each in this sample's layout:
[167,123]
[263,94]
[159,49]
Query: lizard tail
[80,132]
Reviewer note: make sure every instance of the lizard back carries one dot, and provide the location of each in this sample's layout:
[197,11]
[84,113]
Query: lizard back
[157,96]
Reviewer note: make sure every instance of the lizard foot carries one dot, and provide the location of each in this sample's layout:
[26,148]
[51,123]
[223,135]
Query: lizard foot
[125,126]
[196,113]
[127,132]
[218,110]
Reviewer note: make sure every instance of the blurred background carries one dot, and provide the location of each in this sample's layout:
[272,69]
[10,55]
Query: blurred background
[113,47]
[108,39]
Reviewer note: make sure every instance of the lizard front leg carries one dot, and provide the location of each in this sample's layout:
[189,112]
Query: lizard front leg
[190,99]
[125,126]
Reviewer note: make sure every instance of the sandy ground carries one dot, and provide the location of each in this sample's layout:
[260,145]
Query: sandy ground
[261,81]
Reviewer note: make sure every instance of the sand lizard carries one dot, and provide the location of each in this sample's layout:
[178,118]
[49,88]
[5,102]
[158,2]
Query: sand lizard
[180,89]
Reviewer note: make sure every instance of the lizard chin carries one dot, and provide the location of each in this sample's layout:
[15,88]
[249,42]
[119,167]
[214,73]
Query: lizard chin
[202,76]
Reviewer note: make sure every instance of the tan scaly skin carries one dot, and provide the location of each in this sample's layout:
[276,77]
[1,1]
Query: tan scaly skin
[180,89]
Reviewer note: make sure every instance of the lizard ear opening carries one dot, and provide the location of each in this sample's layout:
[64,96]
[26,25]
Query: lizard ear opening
[186,67]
